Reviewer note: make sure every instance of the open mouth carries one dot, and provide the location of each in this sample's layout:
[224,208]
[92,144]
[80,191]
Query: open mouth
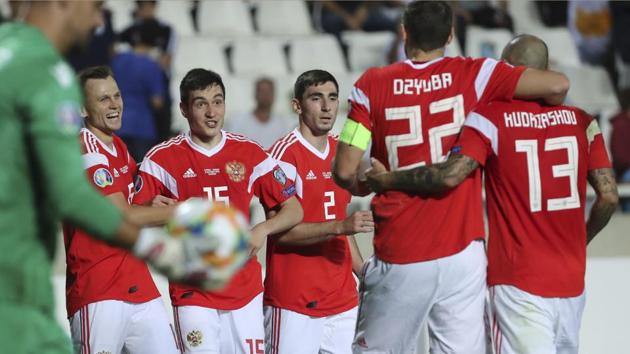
[113,115]
[212,124]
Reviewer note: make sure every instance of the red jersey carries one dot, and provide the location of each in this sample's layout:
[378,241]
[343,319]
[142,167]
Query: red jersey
[536,160]
[414,112]
[315,280]
[95,270]
[232,172]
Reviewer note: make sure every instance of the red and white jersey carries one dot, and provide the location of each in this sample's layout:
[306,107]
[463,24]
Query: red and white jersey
[95,270]
[314,280]
[536,160]
[414,112]
[233,172]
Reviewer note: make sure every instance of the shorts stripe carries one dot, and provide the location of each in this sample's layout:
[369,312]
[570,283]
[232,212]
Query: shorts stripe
[178,329]
[85,325]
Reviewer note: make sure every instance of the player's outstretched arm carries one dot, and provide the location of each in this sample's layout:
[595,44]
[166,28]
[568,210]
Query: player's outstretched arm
[549,85]
[345,169]
[312,233]
[424,179]
[288,214]
[603,181]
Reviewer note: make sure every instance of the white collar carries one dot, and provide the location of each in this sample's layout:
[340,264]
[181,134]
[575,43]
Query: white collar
[311,148]
[112,151]
[203,150]
[423,65]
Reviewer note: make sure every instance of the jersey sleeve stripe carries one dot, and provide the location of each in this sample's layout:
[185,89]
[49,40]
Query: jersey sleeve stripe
[93,143]
[280,144]
[150,167]
[260,170]
[167,143]
[291,172]
[93,158]
[359,97]
[280,153]
[484,126]
[483,76]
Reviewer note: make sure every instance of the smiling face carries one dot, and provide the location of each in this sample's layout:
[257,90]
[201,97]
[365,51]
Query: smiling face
[103,105]
[205,110]
[318,107]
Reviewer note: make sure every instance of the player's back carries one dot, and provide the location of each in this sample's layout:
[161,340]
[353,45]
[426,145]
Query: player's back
[536,188]
[414,112]
[34,78]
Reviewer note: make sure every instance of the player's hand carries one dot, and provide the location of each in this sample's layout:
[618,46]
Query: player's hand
[359,221]
[160,201]
[257,239]
[377,176]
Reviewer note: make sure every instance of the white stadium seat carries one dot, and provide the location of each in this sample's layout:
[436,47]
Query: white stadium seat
[122,11]
[562,49]
[316,52]
[482,42]
[525,16]
[282,17]
[198,52]
[239,94]
[224,18]
[258,56]
[177,15]
[367,49]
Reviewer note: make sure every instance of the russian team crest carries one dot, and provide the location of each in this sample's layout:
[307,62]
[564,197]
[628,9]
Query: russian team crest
[235,170]
[194,338]
[103,178]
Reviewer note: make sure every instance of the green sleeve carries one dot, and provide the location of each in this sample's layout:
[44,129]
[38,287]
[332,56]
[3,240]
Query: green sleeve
[51,129]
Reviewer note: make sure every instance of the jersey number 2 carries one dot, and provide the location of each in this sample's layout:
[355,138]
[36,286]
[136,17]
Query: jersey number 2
[530,148]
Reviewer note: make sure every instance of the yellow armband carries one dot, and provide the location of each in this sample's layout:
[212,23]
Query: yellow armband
[355,134]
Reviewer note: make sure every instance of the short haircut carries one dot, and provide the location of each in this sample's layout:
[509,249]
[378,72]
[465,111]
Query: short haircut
[199,79]
[94,72]
[428,24]
[527,50]
[312,78]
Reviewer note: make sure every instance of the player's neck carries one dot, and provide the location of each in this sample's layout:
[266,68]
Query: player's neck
[421,56]
[104,137]
[207,143]
[319,142]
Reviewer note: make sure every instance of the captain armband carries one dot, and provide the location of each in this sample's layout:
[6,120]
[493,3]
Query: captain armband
[355,134]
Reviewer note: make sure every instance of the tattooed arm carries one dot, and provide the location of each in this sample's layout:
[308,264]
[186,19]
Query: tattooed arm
[422,180]
[603,182]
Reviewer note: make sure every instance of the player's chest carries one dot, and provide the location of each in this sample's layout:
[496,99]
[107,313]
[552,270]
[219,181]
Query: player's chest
[219,179]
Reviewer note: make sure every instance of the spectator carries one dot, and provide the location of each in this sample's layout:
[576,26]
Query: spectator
[486,14]
[99,49]
[163,40]
[620,148]
[590,26]
[261,125]
[143,88]
[620,11]
[552,13]
[338,16]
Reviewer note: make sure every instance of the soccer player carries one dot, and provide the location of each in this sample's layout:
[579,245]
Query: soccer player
[310,294]
[225,168]
[41,178]
[412,112]
[537,159]
[111,299]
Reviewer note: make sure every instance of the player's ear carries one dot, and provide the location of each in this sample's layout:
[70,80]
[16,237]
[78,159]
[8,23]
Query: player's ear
[183,109]
[83,112]
[450,36]
[297,107]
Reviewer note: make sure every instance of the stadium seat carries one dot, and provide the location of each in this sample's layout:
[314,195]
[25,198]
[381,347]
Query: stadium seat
[198,52]
[525,16]
[258,56]
[482,42]
[224,18]
[562,49]
[121,13]
[316,52]
[591,88]
[239,95]
[177,14]
[283,18]
[284,94]
[367,49]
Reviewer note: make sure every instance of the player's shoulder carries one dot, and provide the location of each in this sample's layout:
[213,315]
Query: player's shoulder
[167,148]
[284,146]
[233,140]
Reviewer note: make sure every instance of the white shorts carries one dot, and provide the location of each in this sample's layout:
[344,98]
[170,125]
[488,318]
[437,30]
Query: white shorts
[289,332]
[211,331]
[113,326]
[397,299]
[522,323]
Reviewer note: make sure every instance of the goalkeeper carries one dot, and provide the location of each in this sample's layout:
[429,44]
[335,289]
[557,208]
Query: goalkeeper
[41,175]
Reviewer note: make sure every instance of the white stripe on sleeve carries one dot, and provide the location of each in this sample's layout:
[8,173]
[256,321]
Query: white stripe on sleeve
[260,170]
[360,97]
[483,76]
[484,126]
[94,158]
[292,174]
[160,174]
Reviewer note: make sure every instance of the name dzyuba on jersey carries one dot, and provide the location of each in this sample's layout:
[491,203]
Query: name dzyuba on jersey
[418,86]
[540,120]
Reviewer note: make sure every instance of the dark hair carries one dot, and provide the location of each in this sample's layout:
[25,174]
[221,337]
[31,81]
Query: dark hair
[199,79]
[428,24]
[310,78]
[147,32]
[94,72]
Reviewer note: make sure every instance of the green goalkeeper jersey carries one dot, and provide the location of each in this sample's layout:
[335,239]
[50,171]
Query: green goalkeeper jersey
[41,170]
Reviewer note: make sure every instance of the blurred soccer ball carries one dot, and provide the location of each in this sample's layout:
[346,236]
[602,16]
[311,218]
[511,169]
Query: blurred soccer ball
[218,232]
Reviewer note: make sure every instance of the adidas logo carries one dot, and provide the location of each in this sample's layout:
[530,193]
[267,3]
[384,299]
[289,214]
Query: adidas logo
[189,173]
[310,175]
